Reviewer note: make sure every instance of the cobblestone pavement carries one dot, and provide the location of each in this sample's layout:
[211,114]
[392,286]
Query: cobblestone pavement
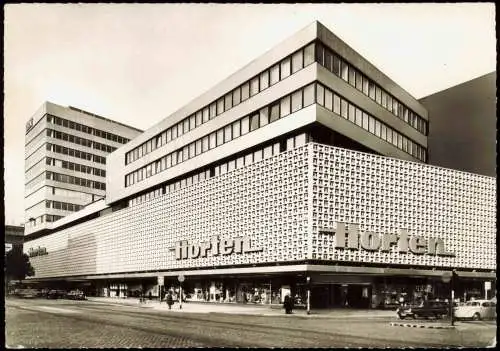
[72,324]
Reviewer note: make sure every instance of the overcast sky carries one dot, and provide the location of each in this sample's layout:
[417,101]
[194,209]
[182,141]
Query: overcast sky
[138,63]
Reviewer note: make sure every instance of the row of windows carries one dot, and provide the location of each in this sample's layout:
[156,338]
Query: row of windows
[341,68]
[65,206]
[63,178]
[80,141]
[75,153]
[268,114]
[333,102]
[75,167]
[42,219]
[263,153]
[85,197]
[85,129]
[260,82]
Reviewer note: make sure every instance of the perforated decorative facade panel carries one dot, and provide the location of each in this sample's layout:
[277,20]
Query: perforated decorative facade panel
[266,202]
[281,204]
[384,195]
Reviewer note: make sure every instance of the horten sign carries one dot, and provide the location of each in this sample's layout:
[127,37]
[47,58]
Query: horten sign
[38,251]
[354,240]
[214,247]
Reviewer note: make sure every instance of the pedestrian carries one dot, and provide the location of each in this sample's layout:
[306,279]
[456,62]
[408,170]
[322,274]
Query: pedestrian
[150,296]
[170,300]
[288,304]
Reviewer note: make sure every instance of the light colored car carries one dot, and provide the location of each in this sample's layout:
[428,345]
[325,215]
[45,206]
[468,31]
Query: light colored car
[476,310]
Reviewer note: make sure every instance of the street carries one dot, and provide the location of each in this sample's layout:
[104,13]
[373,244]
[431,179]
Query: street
[76,324]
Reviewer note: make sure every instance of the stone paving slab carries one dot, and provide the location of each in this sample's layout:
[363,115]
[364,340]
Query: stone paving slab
[249,309]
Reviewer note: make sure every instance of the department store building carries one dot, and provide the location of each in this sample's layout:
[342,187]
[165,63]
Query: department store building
[306,168]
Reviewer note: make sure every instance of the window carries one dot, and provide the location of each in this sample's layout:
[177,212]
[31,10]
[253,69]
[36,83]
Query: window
[336,104]
[248,159]
[197,149]
[378,95]
[308,95]
[174,132]
[383,131]
[205,144]
[319,54]
[371,90]
[359,80]
[328,99]
[240,162]
[300,140]
[285,106]
[344,70]
[179,129]
[227,134]
[254,86]
[274,112]
[236,96]
[169,134]
[192,150]
[268,151]
[328,60]
[297,61]
[185,153]
[377,128]
[320,95]
[228,101]
[296,101]
[371,124]
[365,121]
[254,122]
[257,156]
[352,76]
[213,142]
[343,108]
[220,106]
[245,91]
[275,74]
[365,85]
[285,68]
[236,129]
[352,113]
[223,168]
[384,98]
[309,54]
[290,143]
[245,125]
[264,116]
[209,112]
[264,80]
[336,65]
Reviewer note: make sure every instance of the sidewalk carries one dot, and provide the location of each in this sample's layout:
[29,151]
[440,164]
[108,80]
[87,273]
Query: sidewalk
[248,309]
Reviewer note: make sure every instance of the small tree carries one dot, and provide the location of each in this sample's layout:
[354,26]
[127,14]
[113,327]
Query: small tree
[17,265]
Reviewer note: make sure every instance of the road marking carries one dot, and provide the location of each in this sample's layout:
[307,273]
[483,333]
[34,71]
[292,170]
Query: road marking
[57,310]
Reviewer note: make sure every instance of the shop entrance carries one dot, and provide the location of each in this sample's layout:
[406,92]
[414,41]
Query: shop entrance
[340,296]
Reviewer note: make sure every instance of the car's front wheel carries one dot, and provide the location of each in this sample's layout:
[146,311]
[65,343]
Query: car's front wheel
[476,316]
[400,316]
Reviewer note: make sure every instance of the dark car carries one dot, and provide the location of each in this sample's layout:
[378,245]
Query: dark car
[426,309]
[76,295]
[56,294]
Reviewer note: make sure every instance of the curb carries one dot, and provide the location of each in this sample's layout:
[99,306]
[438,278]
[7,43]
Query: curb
[430,326]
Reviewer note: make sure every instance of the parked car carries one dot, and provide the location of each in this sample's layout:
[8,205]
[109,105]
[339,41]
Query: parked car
[426,309]
[56,294]
[75,295]
[29,293]
[476,310]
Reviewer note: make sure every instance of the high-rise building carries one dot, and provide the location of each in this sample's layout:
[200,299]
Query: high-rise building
[65,161]
[306,170]
[463,130]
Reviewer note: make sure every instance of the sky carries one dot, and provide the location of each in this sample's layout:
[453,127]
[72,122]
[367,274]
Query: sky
[138,63]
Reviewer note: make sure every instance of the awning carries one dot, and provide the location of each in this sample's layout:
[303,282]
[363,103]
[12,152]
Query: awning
[480,275]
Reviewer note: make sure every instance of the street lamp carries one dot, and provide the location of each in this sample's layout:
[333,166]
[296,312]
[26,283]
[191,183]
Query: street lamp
[308,295]
[451,279]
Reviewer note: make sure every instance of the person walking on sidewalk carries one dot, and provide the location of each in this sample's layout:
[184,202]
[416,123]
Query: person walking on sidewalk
[288,304]
[170,300]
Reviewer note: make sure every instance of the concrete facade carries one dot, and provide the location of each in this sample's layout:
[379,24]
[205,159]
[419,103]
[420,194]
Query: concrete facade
[55,146]
[463,128]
